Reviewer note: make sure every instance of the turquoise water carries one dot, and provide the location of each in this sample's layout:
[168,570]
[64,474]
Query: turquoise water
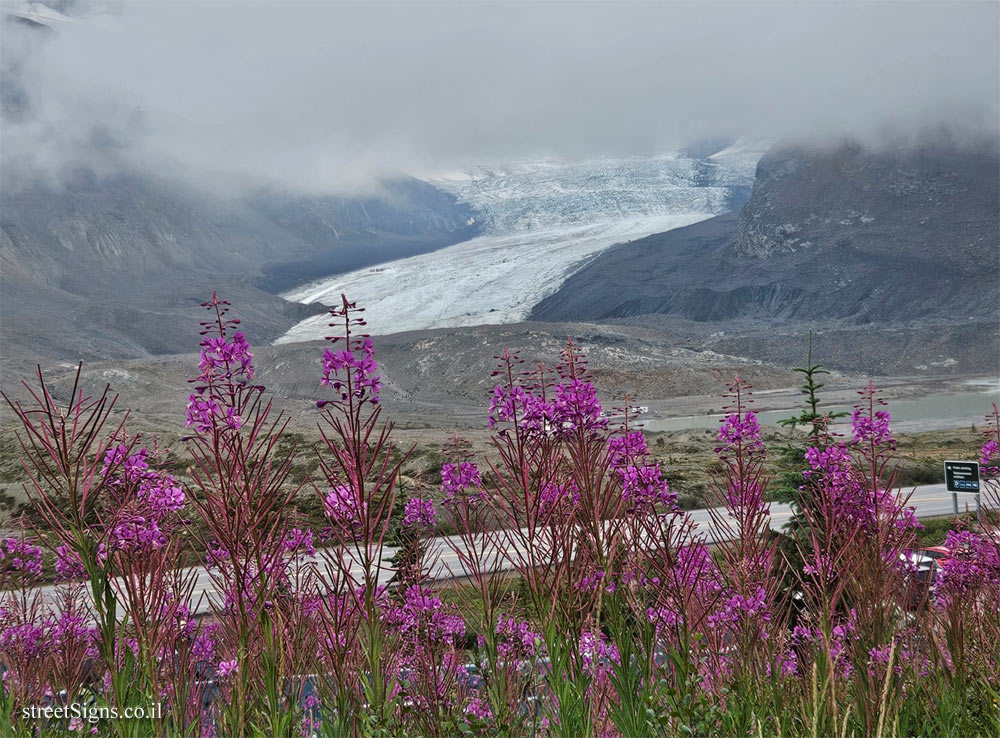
[956,406]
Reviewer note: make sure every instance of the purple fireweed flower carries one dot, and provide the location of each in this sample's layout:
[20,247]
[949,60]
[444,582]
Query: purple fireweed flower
[353,372]
[554,495]
[789,664]
[341,506]
[422,611]
[19,555]
[851,502]
[136,533]
[516,404]
[737,608]
[225,357]
[740,430]
[215,555]
[590,581]
[802,634]
[598,657]
[503,404]
[974,564]
[163,494]
[201,412]
[419,513]
[71,628]
[457,478]
[643,486]
[576,406]
[23,641]
[989,460]
[747,495]
[879,657]
[132,468]
[299,539]
[695,570]
[840,636]
[871,427]
[479,709]
[69,567]
[664,618]
[113,458]
[203,647]
[820,567]
[234,421]
[642,483]
[227,668]
[226,368]
[137,465]
[623,449]
[156,493]
[311,702]
[832,463]
[517,639]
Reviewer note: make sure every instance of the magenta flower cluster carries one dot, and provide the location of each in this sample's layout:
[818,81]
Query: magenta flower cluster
[643,483]
[644,486]
[18,555]
[850,500]
[423,612]
[624,449]
[555,496]
[341,506]
[518,640]
[226,363]
[575,407]
[974,564]
[419,513]
[300,541]
[153,496]
[353,373]
[456,478]
[871,427]
[226,357]
[989,460]
[740,430]
[69,566]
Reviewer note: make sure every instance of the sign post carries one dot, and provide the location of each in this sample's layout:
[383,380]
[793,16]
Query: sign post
[962,477]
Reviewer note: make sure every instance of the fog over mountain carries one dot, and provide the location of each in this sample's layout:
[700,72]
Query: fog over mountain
[481,155]
[327,96]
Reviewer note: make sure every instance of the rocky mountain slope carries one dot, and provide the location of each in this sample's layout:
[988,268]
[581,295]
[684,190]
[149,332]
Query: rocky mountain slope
[102,267]
[848,235]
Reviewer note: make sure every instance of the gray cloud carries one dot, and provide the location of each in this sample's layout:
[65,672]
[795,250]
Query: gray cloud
[324,95]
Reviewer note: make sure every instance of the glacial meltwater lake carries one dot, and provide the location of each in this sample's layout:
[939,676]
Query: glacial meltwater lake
[928,412]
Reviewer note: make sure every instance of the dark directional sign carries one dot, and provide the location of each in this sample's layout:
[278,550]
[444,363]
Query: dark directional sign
[961,476]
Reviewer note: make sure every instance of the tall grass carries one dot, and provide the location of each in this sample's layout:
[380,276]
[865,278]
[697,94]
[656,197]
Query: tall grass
[601,607]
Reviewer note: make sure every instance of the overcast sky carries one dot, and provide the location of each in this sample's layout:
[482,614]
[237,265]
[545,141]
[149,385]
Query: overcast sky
[324,95]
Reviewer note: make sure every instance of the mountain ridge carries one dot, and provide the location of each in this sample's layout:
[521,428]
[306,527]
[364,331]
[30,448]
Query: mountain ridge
[816,241]
[117,260]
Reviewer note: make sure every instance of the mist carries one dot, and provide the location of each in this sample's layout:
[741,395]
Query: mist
[329,97]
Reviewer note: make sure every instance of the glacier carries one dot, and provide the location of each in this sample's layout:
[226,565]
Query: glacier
[541,219]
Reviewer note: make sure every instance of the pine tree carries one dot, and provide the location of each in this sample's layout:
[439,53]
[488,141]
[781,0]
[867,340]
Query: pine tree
[786,488]
[789,483]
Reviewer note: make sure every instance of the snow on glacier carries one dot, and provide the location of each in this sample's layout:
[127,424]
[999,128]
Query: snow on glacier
[542,220]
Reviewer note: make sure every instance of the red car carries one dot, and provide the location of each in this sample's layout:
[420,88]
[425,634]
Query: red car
[928,563]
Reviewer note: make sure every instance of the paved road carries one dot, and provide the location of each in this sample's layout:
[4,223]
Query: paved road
[930,501]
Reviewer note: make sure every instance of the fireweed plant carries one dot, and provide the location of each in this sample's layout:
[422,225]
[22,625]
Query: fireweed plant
[601,608]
